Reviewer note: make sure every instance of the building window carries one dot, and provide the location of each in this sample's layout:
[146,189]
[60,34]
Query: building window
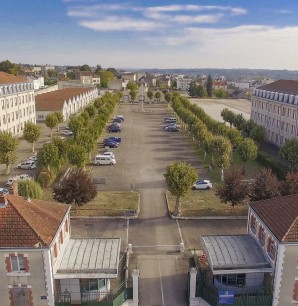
[231,279]
[253,224]
[20,296]
[261,235]
[271,249]
[18,263]
[96,284]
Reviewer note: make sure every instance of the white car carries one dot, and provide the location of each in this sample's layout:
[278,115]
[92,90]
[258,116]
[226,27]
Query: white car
[33,158]
[109,154]
[4,191]
[202,185]
[67,132]
[19,177]
[27,165]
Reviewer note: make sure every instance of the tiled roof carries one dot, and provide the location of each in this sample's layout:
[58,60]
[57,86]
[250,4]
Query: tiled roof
[280,215]
[25,224]
[6,78]
[282,86]
[53,101]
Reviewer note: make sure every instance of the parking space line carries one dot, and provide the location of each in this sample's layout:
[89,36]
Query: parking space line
[179,231]
[161,286]
[127,228]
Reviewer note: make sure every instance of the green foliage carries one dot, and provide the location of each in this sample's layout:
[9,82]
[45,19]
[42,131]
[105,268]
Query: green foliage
[268,161]
[86,141]
[132,86]
[8,147]
[258,134]
[8,67]
[180,177]
[209,86]
[221,148]
[289,152]
[31,133]
[266,186]
[221,93]
[51,121]
[98,69]
[132,94]
[49,82]
[76,189]
[75,125]
[91,110]
[61,145]
[150,94]
[48,156]
[157,96]
[85,68]
[233,190]
[196,91]
[77,156]
[59,116]
[30,188]
[247,150]
[51,73]
[105,77]
[71,75]
[168,97]
[46,178]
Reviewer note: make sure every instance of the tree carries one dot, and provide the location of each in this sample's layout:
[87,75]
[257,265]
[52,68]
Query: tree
[157,96]
[132,86]
[98,69]
[87,142]
[8,67]
[233,190]
[266,186]
[52,73]
[85,68]
[209,86]
[290,184]
[77,156]
[76,189]
[29,189]
[168,97]
[150,94]
[60,119]
[289,152]
[51,121]
[105,77]
[133,95]
[61,145]
[31,133]
[91,110]
[75,124]
[48,156]
[247,150]
[258,134]
[71,75]
[180,177]
[192,90]
[8,146]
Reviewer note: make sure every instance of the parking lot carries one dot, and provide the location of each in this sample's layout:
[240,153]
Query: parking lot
[142,156]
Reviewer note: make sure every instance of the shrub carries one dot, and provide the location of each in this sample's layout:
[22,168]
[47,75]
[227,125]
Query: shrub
[46,178]
[268,162]
[29,188]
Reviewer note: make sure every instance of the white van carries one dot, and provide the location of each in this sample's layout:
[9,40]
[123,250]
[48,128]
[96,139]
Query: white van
[104,160]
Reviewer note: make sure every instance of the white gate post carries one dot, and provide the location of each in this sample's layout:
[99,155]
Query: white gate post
[192,283]
[135,285]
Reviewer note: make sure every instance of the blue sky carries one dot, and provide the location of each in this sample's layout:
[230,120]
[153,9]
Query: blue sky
[151,34]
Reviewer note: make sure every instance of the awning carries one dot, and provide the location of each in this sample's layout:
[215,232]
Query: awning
[90,258]
[235,254]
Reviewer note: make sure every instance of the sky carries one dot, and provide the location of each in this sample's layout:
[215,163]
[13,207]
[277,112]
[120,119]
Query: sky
[151,34]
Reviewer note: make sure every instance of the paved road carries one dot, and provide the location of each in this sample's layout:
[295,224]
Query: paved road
[142,158]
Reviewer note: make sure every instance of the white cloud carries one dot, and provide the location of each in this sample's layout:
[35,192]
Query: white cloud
[197,19]
[114,23]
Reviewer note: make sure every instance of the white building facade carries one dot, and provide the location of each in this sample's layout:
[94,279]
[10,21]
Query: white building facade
[275,106]
[17,103]
[183,83]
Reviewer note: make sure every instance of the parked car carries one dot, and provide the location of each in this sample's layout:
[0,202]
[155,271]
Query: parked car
[27,165]
[172,129]
[116,139]
[67,132]
[110,144]
[202,185]
[170,120]
[170,124]
[4,191]
[117,119]
[108,153]
[18,177]
[104,160]
[114,129]
[120,117]
[33,158]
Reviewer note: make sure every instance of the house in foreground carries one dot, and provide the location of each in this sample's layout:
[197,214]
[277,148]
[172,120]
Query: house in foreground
[41,264]
[261,266]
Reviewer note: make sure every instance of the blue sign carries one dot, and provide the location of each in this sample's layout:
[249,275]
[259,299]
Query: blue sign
[226,297]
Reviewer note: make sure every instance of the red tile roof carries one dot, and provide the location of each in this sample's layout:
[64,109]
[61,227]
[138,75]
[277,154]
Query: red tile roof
[25,224]
[53,101]
[280,215]
[6,78]
[282,86]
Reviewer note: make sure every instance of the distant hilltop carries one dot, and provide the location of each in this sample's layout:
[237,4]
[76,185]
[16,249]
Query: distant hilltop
[229,74]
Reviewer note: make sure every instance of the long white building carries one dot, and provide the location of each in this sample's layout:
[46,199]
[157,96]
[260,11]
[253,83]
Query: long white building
[275,106]
[17,103]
